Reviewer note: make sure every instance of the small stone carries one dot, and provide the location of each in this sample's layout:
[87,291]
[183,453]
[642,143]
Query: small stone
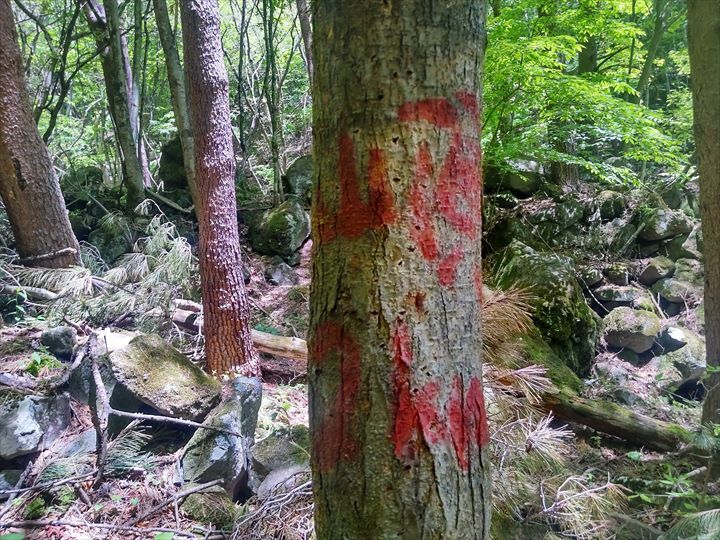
[658,268]
[632,329]
[625,397]
[60,341]
[280,273]
[612,372]
[283,479]
[613,296]
[618,273]
[212,505]
[589,276]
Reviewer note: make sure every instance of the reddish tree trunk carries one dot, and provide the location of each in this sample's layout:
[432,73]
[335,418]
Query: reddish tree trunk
[227,332]
[398,423]
[704,49]
[28,183]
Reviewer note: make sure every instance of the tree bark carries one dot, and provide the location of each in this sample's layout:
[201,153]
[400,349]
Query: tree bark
[104,22]
[227,332]
[28,184]
[179,97]
[704,50]
[398,422]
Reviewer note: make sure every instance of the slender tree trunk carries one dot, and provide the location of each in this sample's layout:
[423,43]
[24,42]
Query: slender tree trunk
[105,25]
[397,417]
[228,344]
[179,98]
[659,27]
[271,91]
[704,49]
[306,33]
[28,184]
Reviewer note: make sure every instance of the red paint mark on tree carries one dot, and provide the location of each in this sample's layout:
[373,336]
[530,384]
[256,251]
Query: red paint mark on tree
[452,191]
[437,111]
[477,415]
[459,423]
[447,269]
[407,421]
[336,440]
[358,210]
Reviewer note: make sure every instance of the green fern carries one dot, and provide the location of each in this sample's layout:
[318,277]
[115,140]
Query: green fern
[699,526]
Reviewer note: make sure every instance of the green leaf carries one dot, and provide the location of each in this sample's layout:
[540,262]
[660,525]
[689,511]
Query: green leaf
[164,536]
[634,455]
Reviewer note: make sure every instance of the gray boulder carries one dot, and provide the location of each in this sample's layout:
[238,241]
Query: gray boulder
[60,341]
[662,223]
[677,291]
[298,179]
[686,246]
[632,329]
[525,178]
[610,204]
[283,479]
[284,447]
[280,273]
[211,455]
[612,296]
[31,423]
[690,271]
[658,268]
[160,376]
[9,479]
[589,276]
[618,273]
[690,357]
[570,327]
[280,231]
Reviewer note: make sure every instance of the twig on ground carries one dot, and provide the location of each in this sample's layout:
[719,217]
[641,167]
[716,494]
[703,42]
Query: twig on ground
[48,485]
[8,504]
[171,420]
[36,524]
[101,411]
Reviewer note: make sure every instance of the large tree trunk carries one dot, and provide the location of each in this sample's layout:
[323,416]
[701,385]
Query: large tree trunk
[398,422]
[178,94]
[28,184]
[704,49]
[225,306]
[104,21]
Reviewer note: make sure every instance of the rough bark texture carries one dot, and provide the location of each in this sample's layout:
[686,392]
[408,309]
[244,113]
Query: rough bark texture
[176,80]
[704,49]
[28,183]
[225,307]
[399,431]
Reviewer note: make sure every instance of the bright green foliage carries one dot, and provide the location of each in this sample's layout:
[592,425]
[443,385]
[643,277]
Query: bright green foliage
[542,104]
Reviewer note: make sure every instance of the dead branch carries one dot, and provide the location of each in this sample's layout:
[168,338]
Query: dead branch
[176,497]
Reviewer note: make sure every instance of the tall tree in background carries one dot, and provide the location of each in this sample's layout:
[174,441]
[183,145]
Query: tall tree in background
[28,183]
[399,431]
[176,81]
[225,306]
[104,21]
[704,49]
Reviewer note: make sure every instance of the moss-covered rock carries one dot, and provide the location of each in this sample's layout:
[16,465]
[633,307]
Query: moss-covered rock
[662,223]
[283,447]
[298,179]
[610,204]
[658,268]
[561,313]
[690,357]
[280,231]
[630,328]
[212,505]
[163,378]
[536,352]
[690,271]
[677,291]
[172,165]
[612,296]
[212,455]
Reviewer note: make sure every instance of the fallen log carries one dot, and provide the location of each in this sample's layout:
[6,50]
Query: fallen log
[286,347]
[614,419]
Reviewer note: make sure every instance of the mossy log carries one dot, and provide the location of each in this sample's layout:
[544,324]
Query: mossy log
[616,420]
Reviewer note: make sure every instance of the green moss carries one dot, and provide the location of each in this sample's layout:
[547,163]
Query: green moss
[35,509]
[537,352]
[211,506]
